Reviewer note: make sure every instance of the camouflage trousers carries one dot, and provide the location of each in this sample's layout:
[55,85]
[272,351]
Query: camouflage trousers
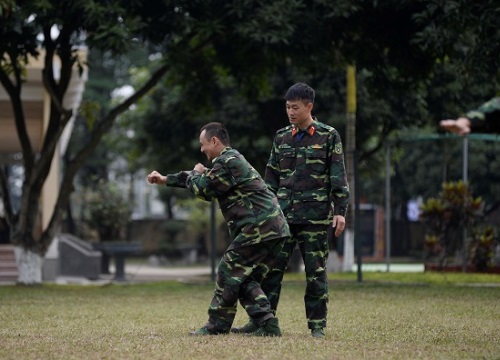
[313,244]
[240,271]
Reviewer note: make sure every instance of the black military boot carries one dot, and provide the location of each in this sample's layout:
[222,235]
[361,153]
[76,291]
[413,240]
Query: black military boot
[248,328]
[269,328]
[318,332]
[206,330]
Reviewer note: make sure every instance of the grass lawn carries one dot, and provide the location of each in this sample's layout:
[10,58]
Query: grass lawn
[387,316]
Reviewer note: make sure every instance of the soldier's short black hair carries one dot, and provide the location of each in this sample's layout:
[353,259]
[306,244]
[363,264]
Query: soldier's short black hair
[218,130]
[300,91]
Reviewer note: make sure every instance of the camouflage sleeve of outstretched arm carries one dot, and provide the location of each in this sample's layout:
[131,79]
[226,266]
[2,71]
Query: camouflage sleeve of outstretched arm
[213,183]
[272,173]
[487,117]
[178,179]
[339,188]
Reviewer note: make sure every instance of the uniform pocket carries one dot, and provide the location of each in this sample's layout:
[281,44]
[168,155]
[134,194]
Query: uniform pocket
[287,159]
[316,160]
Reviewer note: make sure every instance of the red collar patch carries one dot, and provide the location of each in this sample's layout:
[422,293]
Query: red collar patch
[310,130]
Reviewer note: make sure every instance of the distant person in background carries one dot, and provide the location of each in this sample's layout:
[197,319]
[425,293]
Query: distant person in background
[485,119]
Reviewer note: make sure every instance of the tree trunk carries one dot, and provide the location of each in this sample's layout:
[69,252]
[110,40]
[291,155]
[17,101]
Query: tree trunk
[29,266]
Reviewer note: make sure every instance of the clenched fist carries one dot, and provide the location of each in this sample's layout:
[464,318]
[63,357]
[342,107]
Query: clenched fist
[156,178]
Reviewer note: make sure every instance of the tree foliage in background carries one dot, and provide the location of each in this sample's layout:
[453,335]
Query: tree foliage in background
[108,72]
[107,211]
[406,78]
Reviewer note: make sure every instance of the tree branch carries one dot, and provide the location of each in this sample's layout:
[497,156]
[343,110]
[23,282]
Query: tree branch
[49,81]
[96,135]
[14,91]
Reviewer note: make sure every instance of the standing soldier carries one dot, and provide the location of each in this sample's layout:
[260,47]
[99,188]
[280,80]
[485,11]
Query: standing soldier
[485,119]
[256,225]
[306,171]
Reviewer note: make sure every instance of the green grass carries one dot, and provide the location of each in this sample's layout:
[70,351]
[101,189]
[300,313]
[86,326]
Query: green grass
[387,316]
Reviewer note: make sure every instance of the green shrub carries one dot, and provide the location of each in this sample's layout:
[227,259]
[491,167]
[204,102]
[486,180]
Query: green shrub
[445,217]
[107,211]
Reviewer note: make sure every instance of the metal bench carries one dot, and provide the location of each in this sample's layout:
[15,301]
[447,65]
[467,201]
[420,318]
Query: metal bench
[119,250]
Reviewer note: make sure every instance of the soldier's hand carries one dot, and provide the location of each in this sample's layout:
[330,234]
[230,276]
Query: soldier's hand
[200,168]
[156,178]
[460,126]
[338,224]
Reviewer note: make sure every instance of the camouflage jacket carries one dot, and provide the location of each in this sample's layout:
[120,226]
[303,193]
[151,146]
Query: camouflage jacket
[250,209]
[308,175]
[486,118]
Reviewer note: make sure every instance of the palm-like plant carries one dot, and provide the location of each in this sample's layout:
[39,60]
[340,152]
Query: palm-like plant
[446,216]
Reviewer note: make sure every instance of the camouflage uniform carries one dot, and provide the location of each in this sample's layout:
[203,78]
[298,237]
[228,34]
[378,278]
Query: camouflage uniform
[306,171]
[256,225]
[486,118]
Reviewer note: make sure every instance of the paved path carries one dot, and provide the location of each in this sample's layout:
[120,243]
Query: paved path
[149,273]
[136,273]
[404,268]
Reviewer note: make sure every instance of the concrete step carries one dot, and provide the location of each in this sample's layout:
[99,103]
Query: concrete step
[9,273]
[7,250]
[8,265]
[7,269]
